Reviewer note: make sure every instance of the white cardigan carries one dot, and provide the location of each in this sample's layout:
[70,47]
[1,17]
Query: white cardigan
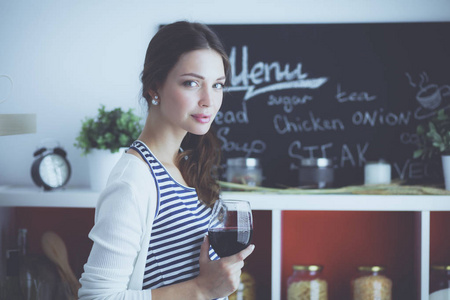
[123,220]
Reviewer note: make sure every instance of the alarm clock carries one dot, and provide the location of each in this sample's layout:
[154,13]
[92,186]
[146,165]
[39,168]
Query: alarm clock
[50,169]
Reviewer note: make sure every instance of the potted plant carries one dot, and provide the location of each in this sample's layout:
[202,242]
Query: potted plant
[434,139]
[104,138]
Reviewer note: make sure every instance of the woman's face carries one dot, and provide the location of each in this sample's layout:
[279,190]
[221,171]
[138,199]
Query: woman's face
[192,94]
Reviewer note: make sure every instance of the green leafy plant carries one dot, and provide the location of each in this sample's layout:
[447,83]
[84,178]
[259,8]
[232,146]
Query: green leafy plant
[434,137]
[108,130]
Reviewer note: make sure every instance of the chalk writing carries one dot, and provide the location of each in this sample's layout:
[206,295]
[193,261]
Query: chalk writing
[415,169]
[430,96]
[288,102]
[283,124]
[296,146]
[231,117]
[409,138]
[353,96]
[285,77]
[248,148]
[353,155]
[347,156]
[297,151]
[380,117]
[262,69]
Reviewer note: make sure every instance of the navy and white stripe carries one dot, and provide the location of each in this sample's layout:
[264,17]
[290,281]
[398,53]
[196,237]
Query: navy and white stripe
[180,225]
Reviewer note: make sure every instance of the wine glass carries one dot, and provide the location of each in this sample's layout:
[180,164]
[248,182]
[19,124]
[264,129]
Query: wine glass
[230,229]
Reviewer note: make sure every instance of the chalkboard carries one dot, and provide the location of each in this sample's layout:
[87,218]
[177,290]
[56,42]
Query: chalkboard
[350,92]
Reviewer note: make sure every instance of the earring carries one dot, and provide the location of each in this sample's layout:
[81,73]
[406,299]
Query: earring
[154,102]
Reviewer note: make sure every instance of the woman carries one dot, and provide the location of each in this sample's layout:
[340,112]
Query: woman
[151,220]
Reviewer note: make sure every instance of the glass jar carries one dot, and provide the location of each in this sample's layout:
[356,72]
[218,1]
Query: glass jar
[306,283]
[244,170]
[371,283]
[246,289]
[440,282]
[316,173]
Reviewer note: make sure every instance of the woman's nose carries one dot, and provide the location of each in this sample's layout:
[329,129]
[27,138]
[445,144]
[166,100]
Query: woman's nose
[206,98]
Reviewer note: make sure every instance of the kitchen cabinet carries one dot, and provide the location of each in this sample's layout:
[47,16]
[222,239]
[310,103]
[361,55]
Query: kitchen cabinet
[278,207]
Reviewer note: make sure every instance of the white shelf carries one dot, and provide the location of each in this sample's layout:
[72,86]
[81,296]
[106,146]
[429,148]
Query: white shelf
[25,196]
[344,202]
[20,196]
[73,197]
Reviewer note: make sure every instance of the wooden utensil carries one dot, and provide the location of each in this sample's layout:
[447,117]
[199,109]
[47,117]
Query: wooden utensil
[55,249]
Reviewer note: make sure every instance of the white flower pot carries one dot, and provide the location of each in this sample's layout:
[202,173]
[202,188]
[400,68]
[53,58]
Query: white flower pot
[446,169]
[101,163]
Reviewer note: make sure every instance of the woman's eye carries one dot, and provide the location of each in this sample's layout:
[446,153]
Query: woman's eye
[219,86]
[190,83]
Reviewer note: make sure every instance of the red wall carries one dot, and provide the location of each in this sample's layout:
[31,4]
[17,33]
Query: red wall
[341,241]
[259,263]
[440,238]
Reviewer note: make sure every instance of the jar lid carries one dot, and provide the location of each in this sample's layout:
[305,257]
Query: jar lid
[371,268]
[243,162]
[441,267]
[316,162]
[312,268]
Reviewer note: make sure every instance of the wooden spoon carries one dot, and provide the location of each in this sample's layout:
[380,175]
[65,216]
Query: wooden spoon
[55,249]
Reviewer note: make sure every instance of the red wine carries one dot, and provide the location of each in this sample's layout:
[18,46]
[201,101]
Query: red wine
[229,241]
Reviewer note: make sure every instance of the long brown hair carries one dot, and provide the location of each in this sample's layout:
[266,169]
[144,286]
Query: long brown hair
[201,157]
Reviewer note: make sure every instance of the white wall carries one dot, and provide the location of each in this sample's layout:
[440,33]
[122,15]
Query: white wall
[67,57]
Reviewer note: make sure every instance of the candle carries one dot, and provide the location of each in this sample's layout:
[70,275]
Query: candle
[377,173]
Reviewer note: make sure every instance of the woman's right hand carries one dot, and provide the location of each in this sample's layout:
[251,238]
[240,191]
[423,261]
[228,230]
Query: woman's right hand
[220,278]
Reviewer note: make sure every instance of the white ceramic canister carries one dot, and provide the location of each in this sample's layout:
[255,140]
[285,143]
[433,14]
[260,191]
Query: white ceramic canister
[378,172]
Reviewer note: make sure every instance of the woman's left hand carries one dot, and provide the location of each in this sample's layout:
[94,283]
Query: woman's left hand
[219,278]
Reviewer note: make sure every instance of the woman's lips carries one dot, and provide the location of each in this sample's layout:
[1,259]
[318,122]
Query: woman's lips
[202,118]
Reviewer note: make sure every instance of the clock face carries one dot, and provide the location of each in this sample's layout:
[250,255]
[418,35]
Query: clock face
[54,170]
